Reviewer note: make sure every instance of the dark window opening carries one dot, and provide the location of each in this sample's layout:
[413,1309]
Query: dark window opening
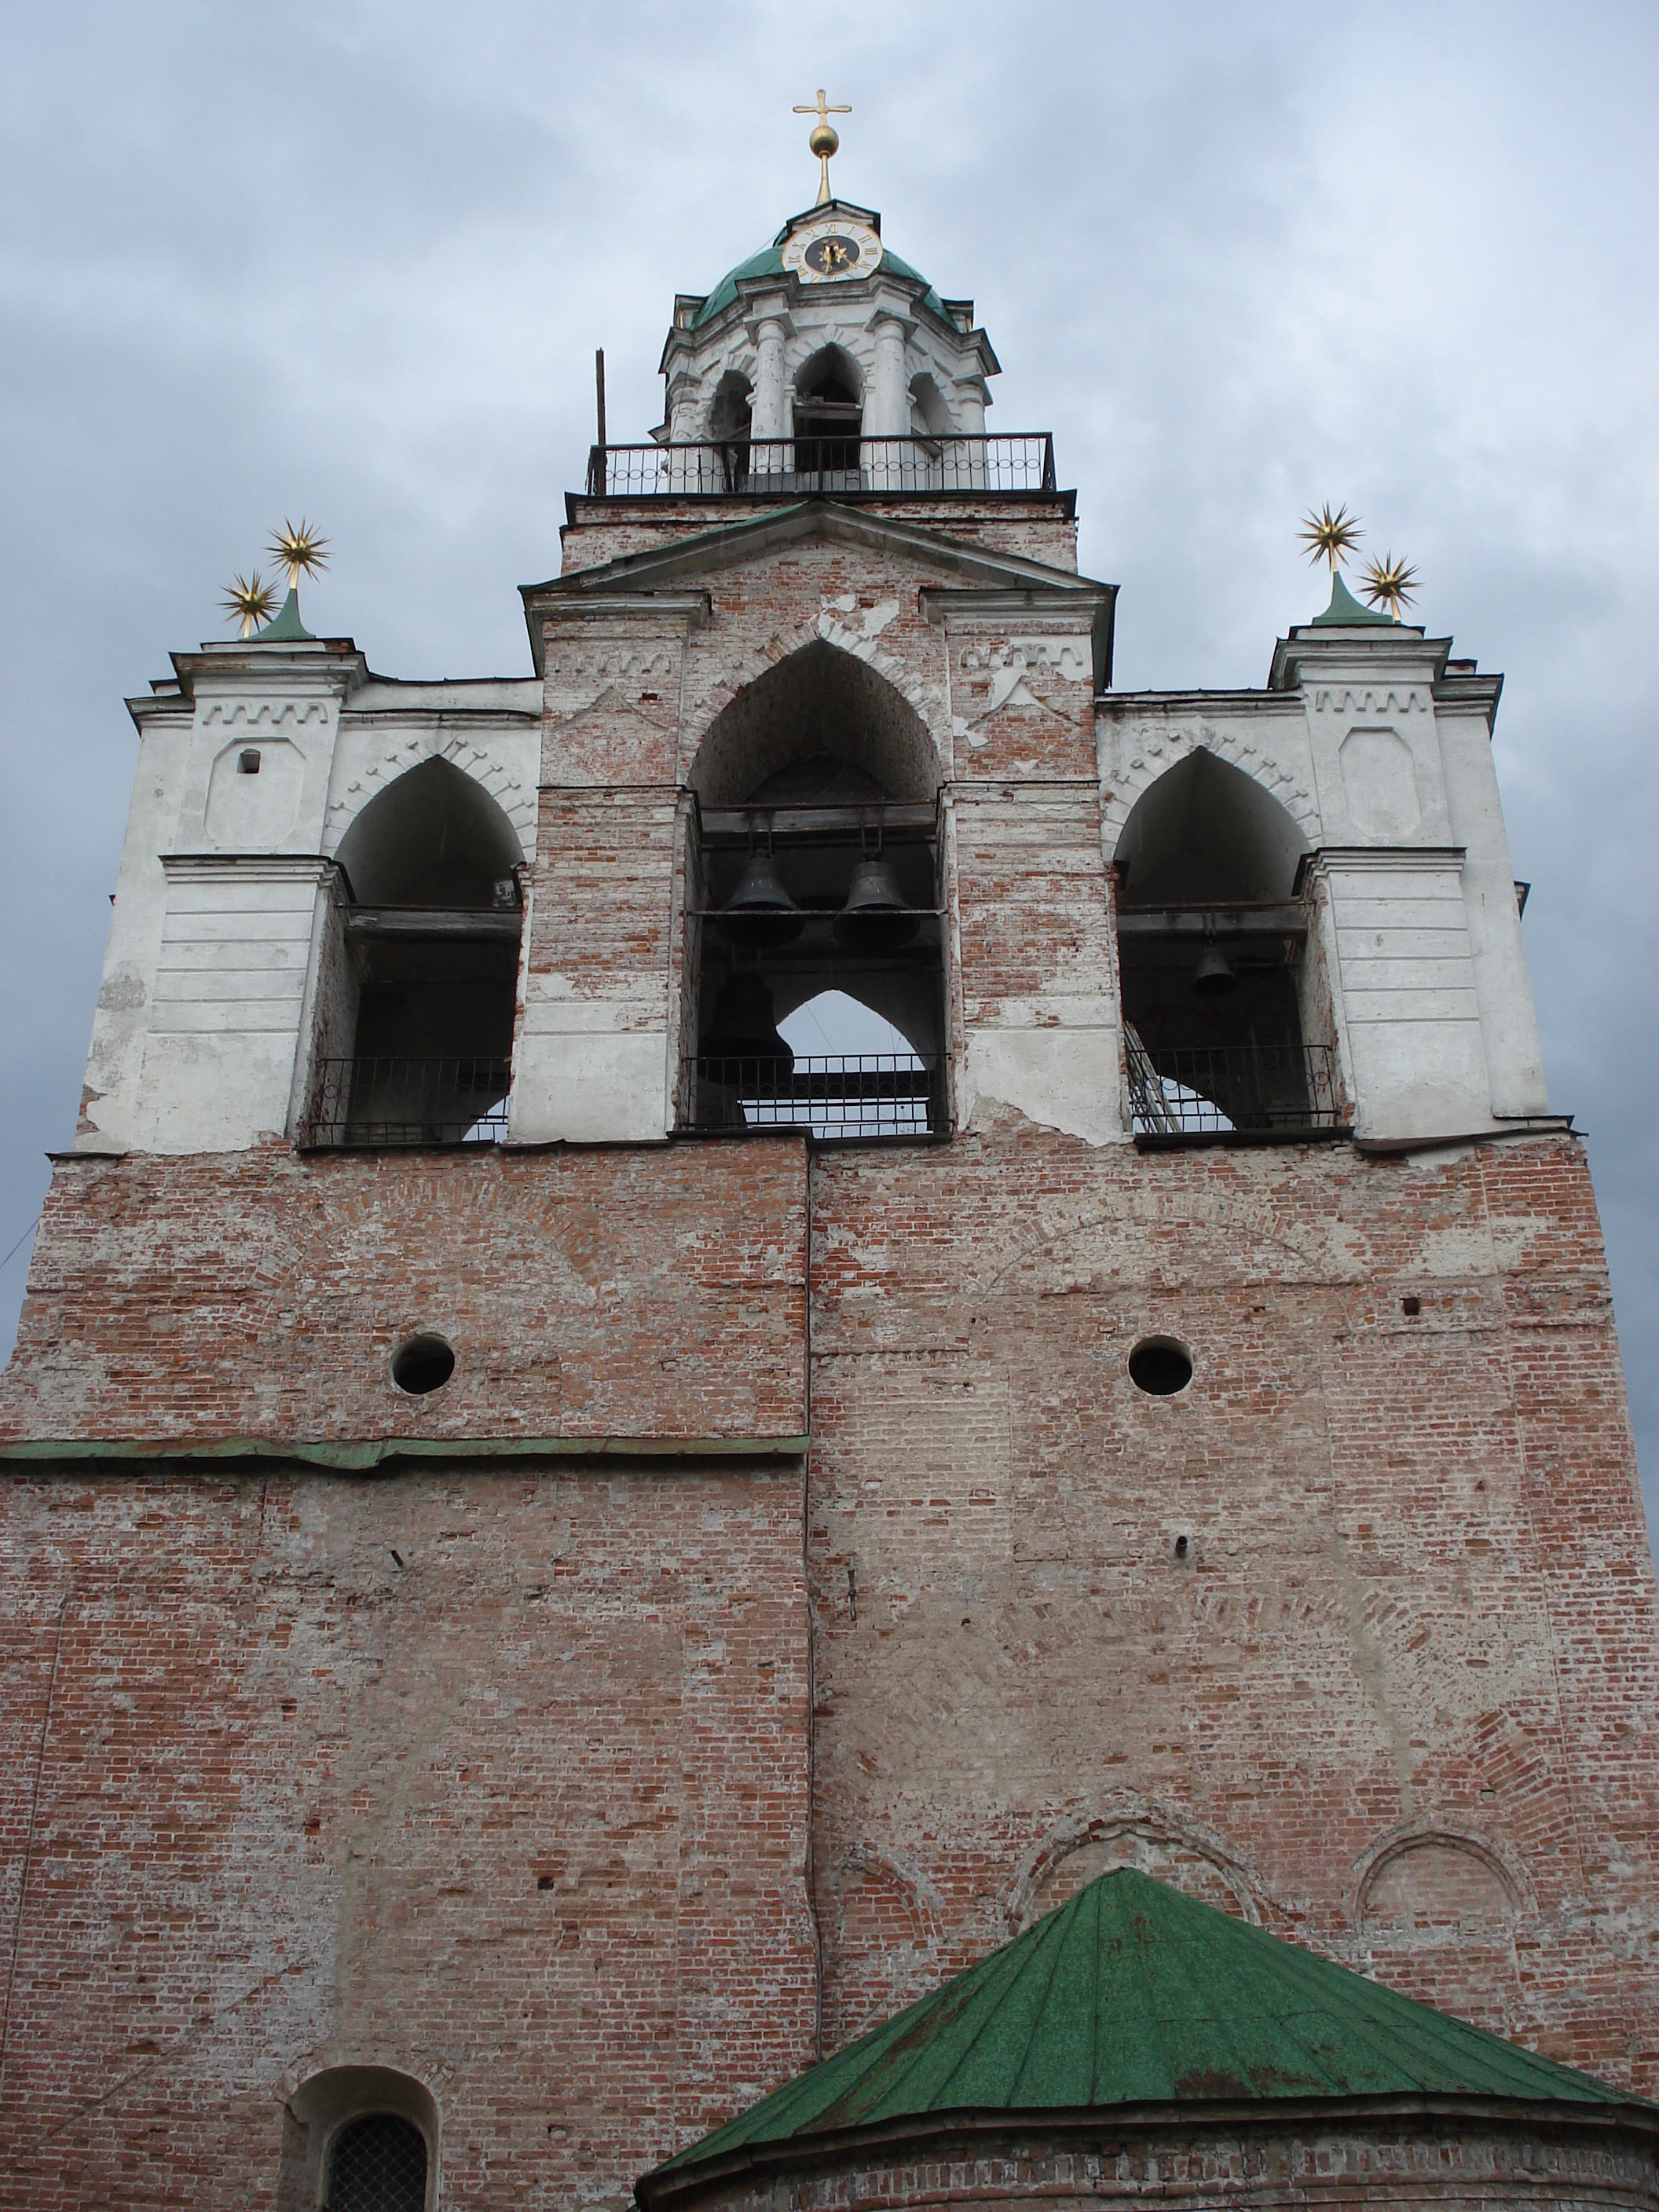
[247,761]
[828,417]
[377,2164]
[1160,1367]
[415,1013]
[1212,955]
[730,425]
[425,1363]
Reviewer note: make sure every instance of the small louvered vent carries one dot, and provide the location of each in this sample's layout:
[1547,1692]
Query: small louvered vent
[379,2164]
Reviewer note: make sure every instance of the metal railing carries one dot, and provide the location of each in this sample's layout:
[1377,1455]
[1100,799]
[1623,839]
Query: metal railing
[393,1101]
[1240,1090]
[846,1094]
[756,468]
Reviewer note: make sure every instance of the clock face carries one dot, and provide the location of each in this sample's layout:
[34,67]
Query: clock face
[825,252]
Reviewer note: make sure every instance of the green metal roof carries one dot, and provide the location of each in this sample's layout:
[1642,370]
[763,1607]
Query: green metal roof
[286,629]
[1345,611]
[1132,1994]
[768,262]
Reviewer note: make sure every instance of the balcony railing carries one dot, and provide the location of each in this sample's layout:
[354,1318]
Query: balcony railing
[1249,1093]
[833,1095]
[756,468]
[392,1101]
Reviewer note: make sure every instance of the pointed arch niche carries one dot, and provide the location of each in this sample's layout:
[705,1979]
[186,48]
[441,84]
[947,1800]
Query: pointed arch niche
[813,878]
[418,974]
[1228,1029]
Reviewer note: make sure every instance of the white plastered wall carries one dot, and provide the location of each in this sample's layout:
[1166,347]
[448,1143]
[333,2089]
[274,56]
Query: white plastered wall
[1396,797]
[225,879]
[769,337]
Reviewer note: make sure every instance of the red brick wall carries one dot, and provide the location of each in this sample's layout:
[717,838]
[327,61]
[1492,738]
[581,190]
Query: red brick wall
[497,1777]
[651,1293]
[1398,1699]
[1416,1606]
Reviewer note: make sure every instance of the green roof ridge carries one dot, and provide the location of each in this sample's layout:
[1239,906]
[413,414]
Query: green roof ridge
[1345,611]
[768,262]
[286,629]
[1130,1993]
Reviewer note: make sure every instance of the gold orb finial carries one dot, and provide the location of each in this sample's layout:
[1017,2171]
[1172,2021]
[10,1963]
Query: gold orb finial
[300,552]
[249,600]
[1390,583]
[824,141]
[1330,537]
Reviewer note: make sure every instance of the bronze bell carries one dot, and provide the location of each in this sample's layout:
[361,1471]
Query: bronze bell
[741,1046]
[760,914]
[1213,977]
[874,919]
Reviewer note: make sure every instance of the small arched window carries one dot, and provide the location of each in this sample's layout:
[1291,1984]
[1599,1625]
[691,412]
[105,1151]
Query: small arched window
[377,2163]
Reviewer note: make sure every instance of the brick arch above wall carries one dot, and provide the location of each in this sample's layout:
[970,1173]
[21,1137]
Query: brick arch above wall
[1126,1832]
[849,631]
[1433,1876]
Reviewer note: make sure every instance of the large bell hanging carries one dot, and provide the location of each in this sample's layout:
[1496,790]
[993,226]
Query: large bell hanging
[1213,977]
[874,919]
[760,914]
[741,1046]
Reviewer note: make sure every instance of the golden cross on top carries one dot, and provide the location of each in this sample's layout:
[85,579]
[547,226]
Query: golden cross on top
[824,139]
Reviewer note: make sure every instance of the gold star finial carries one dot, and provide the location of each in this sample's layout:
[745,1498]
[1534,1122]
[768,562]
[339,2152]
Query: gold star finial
[301,551]
[1390,583]
[249,600]
[1330,537]
[824,139]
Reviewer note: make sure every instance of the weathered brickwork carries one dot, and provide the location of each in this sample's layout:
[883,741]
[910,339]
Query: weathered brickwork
[606,531]
[658,1293]
[499,1779]
[1445,2166]
[291,1751]
[1356,1635]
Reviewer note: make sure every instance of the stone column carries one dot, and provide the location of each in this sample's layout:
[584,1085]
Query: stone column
[887,404]
[768,403]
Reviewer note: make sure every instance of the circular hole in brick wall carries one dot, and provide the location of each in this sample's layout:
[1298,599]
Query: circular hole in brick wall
[1160,1366]
[425,1363]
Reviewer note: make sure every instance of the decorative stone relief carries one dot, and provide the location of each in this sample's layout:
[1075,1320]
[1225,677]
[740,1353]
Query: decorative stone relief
[993,677]
[1379,777]
[1370,699]
[265,713]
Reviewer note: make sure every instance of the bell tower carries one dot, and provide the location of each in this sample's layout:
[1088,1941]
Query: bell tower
[803,1303]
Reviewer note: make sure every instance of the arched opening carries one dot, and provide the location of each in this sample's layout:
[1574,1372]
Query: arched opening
[1212,942]
[360,2139]
[417,996]
[930,413]
[813,870]
[828,417]
[729,426]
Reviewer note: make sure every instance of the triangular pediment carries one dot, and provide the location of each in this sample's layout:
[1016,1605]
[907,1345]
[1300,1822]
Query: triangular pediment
[944,562]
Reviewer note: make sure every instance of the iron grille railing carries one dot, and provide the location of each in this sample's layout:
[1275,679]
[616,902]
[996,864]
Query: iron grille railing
[756,468]
[846,1094]
[392,1101]
[1240,1090]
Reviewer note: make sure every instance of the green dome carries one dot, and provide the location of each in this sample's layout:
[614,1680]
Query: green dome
[768,262]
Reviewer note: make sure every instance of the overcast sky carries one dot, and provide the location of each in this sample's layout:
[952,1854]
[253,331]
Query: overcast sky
[354,259]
